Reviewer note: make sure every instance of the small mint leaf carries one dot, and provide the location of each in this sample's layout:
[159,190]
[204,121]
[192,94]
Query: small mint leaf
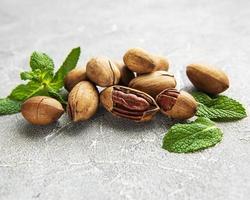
[69,64]
[27,76]
[41,61]
[191,137]
[202,97]
[8,106]
[219,108]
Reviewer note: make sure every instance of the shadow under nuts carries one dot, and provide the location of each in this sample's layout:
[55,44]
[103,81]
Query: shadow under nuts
[208,79]
[41,110]
[74,76]
[141,61]
[126,74]
[103,72]
[154,82]
[128,103]
[83,101]
[177,105]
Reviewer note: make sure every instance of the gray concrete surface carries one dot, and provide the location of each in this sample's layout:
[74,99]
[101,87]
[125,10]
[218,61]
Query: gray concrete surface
[108,158]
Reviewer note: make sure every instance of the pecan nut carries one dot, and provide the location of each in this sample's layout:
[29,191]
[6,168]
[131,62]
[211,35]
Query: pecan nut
[103,72]
[153,83]
[41,110]
[140,61]
[83,101]
[128,103]
[207,78]
[175,104]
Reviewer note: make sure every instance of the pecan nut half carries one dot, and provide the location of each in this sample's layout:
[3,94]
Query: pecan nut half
[128,103]
[175,104]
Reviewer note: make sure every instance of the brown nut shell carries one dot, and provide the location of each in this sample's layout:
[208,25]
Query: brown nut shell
[129,103]
[177,105]
[83,101]
[154,82]
[103,72]
[75,76]
[208,79]
[41,110]
[141,61]
[126,74]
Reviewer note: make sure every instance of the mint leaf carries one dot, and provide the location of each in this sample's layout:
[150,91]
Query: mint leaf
[23,92]
[28,76]
[202,98]
[191,137]
[8,106]
[41,61]
[219,108]
[69,64]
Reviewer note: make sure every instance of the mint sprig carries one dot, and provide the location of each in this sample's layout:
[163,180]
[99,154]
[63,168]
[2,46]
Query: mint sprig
[219,108]
[41,80]
[193,136]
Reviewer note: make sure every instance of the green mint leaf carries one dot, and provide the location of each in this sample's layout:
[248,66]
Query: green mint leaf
[23,92]
[41,61]
[27,76]
[69,64]
[219,108]
[202,98]
[191,137]
[8,106]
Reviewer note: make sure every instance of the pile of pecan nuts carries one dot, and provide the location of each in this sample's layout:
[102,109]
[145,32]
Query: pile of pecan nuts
[135,89]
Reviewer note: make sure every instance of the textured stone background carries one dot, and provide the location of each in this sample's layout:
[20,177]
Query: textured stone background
[108,158]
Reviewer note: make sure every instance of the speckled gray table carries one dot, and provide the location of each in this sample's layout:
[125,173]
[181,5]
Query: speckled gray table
[108,158]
